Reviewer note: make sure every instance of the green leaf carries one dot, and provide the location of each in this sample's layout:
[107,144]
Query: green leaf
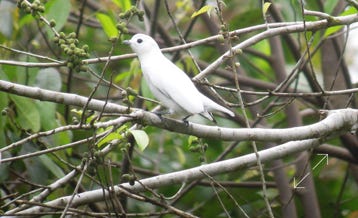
[4,167]
[188,64]
[4,101]
[49,121]
[49,78]
[266,7]
[141,138]
[329,6]
[181,155]
[20,75]
[204,9]
[28,115]
[350,10]
[193,140]
[35,169]
[77,112]
[125,5]
[51,166]
[108,25]
[334,29]
[57,10]
[3,104]
[109,138]
[25,20]
[126,77]
[62,137]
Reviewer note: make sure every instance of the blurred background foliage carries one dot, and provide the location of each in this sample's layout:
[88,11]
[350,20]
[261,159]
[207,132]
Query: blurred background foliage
[26,39]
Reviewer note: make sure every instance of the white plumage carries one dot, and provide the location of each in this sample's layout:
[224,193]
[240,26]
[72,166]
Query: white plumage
[168,83]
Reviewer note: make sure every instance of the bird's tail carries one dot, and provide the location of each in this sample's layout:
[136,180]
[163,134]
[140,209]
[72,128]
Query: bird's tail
[211,105]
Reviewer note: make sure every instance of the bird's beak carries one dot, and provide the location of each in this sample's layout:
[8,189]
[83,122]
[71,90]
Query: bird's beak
[126,42]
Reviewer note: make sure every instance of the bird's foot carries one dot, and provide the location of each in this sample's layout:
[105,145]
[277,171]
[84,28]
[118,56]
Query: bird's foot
[160,115]
[186,122]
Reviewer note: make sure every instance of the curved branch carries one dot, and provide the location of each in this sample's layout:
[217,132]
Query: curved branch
[309,26]
[275,29]
[183,176]
[59,97]
[337,121]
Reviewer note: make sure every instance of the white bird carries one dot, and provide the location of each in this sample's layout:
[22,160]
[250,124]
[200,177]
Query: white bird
[169,84]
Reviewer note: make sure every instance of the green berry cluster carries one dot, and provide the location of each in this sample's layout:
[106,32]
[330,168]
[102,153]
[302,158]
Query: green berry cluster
[52,23]
[69,45]
[122,27]
[201,148]
[34,8]
[224,30]
[133,11]
[130,178]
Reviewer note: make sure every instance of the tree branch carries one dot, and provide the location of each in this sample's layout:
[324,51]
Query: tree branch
[275,29]
[337,121]
[299,27]
[183,176]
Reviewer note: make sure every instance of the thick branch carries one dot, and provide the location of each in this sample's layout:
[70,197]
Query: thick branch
[337,121]
[59,97]
[184,176]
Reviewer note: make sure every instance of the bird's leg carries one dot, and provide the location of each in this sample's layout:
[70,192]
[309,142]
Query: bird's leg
[161,113]
[185,120]
[209,117]
[214,121]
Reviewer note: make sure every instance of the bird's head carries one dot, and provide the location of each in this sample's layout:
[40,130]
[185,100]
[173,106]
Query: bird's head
[142,44]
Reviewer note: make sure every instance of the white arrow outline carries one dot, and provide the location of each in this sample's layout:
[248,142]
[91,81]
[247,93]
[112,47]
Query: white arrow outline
[295,186]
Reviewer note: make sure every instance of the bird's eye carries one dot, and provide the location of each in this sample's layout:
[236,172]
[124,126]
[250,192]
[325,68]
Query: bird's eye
[139,40]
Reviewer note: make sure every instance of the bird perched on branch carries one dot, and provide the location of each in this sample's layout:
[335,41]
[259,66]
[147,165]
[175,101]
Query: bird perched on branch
[169,84]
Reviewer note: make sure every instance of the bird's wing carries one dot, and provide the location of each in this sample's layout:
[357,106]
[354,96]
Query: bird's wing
[173,83]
